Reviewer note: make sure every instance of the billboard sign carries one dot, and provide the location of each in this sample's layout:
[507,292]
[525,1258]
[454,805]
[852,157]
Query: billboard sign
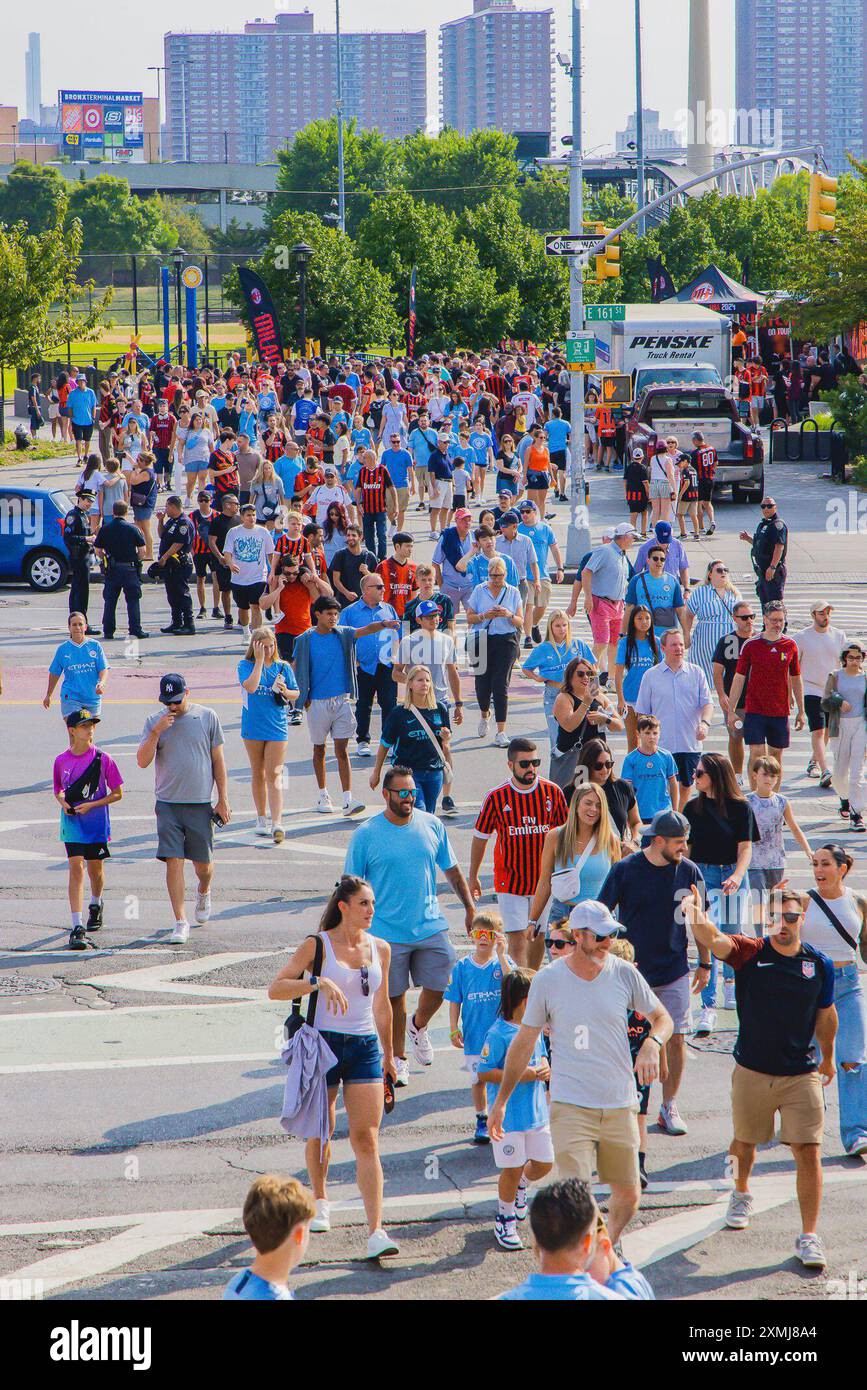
[101,120]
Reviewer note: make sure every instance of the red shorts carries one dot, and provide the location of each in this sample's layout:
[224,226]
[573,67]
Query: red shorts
[606,620]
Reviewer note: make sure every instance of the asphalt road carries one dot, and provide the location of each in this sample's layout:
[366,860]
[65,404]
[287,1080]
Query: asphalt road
[141,1081]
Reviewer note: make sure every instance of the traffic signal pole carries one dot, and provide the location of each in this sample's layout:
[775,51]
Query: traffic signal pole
[578,536]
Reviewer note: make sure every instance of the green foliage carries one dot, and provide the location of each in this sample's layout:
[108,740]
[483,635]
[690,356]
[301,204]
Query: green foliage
[238,239]
[35,194]
[456,171]
[849,409]
[307,180]
[114,220]
[515,254]
[183,227]
[545,201]
[828,283]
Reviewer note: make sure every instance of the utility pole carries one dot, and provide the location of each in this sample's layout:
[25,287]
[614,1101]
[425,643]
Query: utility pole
[578,536]
[639,120]
[341,183]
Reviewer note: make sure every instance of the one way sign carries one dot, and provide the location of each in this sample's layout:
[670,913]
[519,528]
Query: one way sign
[562,244]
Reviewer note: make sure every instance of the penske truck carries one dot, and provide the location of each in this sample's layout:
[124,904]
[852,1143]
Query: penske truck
[665,345]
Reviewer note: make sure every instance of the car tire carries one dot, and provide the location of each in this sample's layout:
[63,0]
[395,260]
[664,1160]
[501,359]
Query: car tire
[748,494]
[46,571]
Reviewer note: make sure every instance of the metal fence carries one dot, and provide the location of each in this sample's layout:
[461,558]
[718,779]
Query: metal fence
[135,281]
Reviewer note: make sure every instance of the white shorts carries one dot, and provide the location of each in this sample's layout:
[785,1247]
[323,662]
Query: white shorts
[333,716]
[439,492]
[515,912]
[471,1064]
[517,1148]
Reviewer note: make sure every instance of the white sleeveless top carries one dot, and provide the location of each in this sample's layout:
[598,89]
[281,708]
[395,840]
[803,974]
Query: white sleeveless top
[658,472]
[818,932]
[358,1019]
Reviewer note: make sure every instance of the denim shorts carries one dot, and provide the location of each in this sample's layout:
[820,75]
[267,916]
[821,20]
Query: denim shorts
[359,1058]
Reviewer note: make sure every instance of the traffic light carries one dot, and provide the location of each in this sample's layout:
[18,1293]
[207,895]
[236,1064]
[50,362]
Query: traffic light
[608,264]
[822,207]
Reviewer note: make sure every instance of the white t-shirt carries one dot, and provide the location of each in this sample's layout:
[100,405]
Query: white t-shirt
[819,933]
[435,650]
[250,547]
[322,497]
[819,654]
[591,1065]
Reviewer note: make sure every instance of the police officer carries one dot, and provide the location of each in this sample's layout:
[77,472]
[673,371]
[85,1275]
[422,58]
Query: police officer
[768,553]
[176,543]
[122,545]
[76,534]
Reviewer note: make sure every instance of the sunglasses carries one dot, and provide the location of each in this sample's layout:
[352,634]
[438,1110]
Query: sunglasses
[599,767]
[365,980]
[701,772]
[720,569]
[529,762]
[608,936]
[744,616]
[376,586]
[768,506]
[403,794]
[790,917]
[561,945]
[482,934]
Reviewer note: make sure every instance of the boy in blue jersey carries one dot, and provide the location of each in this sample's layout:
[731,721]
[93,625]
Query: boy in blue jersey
[650,771]
[617,1275]
[558,432]
[473,995]
[277,1216]
[563,1219]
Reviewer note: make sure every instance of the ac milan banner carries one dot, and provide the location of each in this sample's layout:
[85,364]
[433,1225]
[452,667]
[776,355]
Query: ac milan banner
[264,323]
[661,283]
[410,326]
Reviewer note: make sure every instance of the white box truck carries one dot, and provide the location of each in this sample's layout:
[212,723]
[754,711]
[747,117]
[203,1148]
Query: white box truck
[666,345]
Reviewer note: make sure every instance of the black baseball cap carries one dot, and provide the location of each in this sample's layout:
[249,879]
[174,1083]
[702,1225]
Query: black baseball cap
[510,519]
[81,716]
[172,688]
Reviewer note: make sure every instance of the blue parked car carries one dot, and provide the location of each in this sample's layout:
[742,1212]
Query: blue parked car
[31,536]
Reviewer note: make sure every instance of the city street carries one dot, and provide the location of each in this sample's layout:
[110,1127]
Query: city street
[142,1081]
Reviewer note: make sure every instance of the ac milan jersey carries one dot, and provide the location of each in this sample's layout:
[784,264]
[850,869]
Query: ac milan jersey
[294,546]
[704,462]
[520,820]
[162,428]
[374,484]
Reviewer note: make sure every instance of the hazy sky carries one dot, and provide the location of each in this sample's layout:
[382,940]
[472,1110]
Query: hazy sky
[113,49]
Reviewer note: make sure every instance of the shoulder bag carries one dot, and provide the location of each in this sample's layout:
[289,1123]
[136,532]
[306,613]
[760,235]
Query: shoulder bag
[295,1019]
[566,883]
[835,923]
[448,769]
[84,787]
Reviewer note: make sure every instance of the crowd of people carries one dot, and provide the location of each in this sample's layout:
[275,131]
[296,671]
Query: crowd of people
[618,891]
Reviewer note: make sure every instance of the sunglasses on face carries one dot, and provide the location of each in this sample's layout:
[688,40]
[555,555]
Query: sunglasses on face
[768,506]
[701,772]
[403,794]
[529,762]
[745,617]
[560,945]
[720,569]
[790,918]
[600,767]
[609,936]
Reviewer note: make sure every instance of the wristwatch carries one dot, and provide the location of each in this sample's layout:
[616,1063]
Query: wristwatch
[459,704]
[314,980]
[703,965]
[658,1041]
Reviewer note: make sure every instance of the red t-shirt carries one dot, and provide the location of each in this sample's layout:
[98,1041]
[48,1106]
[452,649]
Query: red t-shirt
[520,820]
[767,667]
[295,609]
[400,583]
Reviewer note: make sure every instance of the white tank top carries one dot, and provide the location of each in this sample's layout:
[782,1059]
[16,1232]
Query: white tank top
[818,932]
[658,472]
[358,1019]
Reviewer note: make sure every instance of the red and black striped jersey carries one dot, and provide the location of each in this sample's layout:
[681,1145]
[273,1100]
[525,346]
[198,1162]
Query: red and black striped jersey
[162,427]
[275,441]
[201,530]
[520,820]
[224,482]
[291,545]
[704,461]
[374,484]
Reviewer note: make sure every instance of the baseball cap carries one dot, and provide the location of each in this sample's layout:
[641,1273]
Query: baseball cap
[527,506]
[329,468]
[463,514]
[820,605]
[426,608]
[663,531]
[81,716]
[608,534]
[624,529]
[511,518]
[444,434]
[661,447]
[172,687]
[595,917]
[670,824]
[638,453]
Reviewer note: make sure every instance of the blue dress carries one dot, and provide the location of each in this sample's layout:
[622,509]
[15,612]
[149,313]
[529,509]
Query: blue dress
[713,620]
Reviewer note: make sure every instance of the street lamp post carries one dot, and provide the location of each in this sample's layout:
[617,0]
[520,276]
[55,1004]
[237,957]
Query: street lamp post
[341,181]
[578,535]
[302,253]
[639,118]
[178,263]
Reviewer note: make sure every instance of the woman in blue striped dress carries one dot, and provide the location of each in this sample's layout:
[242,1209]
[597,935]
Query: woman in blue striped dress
[708,616]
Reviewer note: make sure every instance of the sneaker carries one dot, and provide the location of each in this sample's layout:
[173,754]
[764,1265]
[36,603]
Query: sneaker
[729,1001]
[380,1244]
[521,1201]
[810,1252]
[642,1172]
[501,740]
[215,613]
[536,635]
[421,1043]
[481,1135]
[856,821]
[228,620]
[180,934]
[246,633]
[203,907]
[825,780]
[202,613]
[78,939]
[528,643]
[710,530]
[322,1219]
[278,834]
[94,917]
[739,1211]
[506,1232]
[858,1148]
[844,809]
[482,729]
[363,750]
[351,805]
[706,1023]
[669,1118]
[171,630]
[813,768]
[324,804]
[401,1071]
[296,716]
[263,826]
[448,807]
[434,536]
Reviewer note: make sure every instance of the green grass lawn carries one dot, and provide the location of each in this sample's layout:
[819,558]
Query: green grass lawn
[42,449]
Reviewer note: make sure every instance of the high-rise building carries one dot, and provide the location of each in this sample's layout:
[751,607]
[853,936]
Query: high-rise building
[33,77]
[657,140]
[802,65]
[241,96]
[496,69]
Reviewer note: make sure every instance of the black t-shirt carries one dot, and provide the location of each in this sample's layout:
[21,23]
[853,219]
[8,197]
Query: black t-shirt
[407,740]
[119,539]
[716,831]
[229,418]
[777,1000]
[347,567]
[648,900]
[635,476]
[583,732]
[621,799]
[220,528]
[726,653]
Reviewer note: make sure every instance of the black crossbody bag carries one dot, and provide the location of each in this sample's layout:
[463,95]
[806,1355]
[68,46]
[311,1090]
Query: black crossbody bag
[295,1019]
[84,787]
[837,925]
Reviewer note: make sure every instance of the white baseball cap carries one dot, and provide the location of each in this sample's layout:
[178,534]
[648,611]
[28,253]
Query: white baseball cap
[595,917]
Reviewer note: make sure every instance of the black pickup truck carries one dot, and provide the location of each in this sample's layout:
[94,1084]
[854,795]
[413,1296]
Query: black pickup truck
[666,410]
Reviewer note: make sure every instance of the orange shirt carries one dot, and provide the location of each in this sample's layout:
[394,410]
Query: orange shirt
[538,460]
[400,583]
[295,609]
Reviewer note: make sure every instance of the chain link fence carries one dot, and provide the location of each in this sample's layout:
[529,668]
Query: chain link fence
[136,284]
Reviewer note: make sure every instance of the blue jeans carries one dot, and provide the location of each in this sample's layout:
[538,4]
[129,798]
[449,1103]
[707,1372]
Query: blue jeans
[428,786]
[851,1046]
[729,914]
[375,533]
[548,698]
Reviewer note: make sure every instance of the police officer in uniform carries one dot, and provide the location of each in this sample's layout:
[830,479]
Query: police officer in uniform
[122,545]
[176,543]
[76,534]
[768,553]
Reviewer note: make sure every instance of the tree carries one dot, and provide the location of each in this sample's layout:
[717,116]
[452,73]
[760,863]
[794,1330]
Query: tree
[35,194]
[38,283]
[828,283]
[458,171]
[515,254]
[114,220]
[349,301]
[237,239]
[545,201]
[307,179]
[183,227]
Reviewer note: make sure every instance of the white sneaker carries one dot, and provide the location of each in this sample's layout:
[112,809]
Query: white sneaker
[482,730]
[322,1219]
[203,907]
[401,1071]
[739,1211]
[501,740]
[706,1023]
[363,750]
[810,1252]
[421,1044]
[263,826]
[246,633]
[324,804]
[729,1001]
[670,1119]
[180,934]
[434,536]
[380,1244]
[351,805]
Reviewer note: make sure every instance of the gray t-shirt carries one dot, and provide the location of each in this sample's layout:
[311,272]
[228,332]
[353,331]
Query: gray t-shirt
[852,689]
[183,760]
[590,1061]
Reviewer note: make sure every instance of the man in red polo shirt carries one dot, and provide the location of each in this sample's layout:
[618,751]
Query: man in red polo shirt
[769,668]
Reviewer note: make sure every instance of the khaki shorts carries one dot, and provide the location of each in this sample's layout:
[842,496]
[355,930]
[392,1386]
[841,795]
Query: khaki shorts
[606,1140]
[544,598]
[402,498]
[333,716]
[440,493]
[756,1098]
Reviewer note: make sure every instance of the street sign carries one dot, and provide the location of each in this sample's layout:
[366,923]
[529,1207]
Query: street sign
[617,389]
[562,244]
[605,313]
[580,352]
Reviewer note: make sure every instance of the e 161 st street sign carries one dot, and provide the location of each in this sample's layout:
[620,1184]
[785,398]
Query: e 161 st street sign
[604,313]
